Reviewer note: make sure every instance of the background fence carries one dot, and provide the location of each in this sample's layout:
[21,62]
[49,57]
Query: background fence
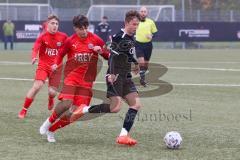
[186,10]
[36,11]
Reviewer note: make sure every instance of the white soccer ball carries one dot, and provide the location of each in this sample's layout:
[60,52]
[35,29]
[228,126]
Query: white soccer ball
[173,140]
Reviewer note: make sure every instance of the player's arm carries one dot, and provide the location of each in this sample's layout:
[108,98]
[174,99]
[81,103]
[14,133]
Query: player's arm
[61,53]
[112,76]
[101,48]
[63,50]
[153,28]
[136,68]
[35,49]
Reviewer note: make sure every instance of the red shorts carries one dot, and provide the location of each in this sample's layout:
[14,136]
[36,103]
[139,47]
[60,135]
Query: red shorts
[42,74]
[78,94]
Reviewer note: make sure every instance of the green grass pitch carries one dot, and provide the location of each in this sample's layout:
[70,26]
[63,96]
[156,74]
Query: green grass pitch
[196,93]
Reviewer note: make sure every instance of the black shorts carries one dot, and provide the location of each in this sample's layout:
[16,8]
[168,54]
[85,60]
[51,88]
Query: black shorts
[144,50]
[121,87]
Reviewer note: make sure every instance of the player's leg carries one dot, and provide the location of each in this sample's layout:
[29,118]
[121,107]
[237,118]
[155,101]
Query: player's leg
[73,113]
[141,61]
[5,42]
[134,105]
[142,72]
[51,94]
[113,107]
[66,96]
[81,99]
[58,111]
[11,42]
[131,96]
[53,85]
[147,55]
[37,85]
[40,77]
[113,93]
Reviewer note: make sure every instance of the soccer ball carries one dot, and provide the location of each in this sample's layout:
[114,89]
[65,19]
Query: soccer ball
[173,140]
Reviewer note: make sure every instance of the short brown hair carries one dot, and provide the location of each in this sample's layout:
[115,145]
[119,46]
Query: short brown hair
[52,16]
[80,21]
[130,15]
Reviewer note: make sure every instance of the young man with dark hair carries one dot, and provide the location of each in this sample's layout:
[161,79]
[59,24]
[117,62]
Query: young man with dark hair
[46,48]
[144,35]
[82,50]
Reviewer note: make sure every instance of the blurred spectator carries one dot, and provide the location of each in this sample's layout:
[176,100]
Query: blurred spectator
[8,32]
[103,29]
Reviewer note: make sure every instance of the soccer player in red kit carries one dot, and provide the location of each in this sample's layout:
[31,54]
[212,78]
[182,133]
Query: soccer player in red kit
[46,48]
[82,50]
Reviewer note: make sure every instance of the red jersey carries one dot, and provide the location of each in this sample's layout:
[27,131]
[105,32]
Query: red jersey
[47,46]
[81,65]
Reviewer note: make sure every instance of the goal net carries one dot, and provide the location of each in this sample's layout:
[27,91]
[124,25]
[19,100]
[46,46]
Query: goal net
[117,12]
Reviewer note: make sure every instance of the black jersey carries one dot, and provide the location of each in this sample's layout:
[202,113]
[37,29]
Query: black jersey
[103,30]
[122,54]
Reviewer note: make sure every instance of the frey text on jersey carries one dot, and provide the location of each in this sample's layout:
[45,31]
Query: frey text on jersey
[51,51]
[83,57]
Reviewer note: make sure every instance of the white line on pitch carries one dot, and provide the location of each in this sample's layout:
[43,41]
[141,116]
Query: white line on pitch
[14,63]
[174,84]
[203,62]
[208,69]
[180,68]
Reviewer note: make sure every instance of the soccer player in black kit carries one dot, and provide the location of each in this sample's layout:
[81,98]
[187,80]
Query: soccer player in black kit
[119,79]
[103,29]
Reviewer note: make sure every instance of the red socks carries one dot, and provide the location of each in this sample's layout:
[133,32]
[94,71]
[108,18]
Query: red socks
[53,117]
[27,102]
[59,124]
[50,102]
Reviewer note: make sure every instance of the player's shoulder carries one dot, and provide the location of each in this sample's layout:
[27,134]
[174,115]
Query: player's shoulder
[69,39]
[94,37]
[43,36]
[119,34]
[72,37]
[62,34]
[149,20]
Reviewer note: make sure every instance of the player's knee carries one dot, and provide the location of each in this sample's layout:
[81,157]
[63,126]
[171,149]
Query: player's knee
[37,86]
[52,92]
[136,107]
[63,106]
[67,104]
[116,109]
[115,106]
